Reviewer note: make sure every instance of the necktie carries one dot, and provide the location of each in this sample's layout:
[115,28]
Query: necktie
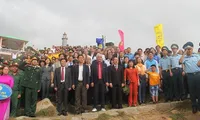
[99,71]
[62,74]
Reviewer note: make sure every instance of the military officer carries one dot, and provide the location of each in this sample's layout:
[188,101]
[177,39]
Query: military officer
[166,73]
[16,95]
[177,72]
[191,67]
[32,85]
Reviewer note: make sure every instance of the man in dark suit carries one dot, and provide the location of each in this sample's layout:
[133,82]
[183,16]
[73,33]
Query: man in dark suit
[99,80]
[80,84]
[116,79]
[62,84]
[120,58]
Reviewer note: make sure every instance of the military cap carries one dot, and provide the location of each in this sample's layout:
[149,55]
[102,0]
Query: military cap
[188,45]
[34,58]
[5,62]
[174,46]
[71,50]
[165,48]
[15,64]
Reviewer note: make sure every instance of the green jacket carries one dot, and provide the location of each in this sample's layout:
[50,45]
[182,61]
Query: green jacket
[17,81]
[32,76]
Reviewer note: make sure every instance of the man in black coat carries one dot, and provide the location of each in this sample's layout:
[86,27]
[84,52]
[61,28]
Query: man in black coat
[116,79]
[62,84]
[80,84]
[99,81]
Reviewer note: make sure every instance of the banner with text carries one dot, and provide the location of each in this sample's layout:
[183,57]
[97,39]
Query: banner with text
[159,35]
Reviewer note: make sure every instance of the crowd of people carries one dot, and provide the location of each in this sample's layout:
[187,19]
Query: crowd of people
[90,75]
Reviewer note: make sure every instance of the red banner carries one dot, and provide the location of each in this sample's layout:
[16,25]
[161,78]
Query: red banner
[121,43]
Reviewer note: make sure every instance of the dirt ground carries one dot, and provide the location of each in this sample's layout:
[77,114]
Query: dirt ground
[158,112]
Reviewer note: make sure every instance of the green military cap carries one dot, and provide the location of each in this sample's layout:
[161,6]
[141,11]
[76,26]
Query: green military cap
[71,50]
[165,48]
[34,58]
[15,64]
[175,46]
[188,45]
[5,62]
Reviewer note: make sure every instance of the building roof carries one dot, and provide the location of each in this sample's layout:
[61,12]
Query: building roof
[13,42]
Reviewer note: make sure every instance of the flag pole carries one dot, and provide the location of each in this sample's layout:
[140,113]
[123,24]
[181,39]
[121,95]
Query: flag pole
[104,38]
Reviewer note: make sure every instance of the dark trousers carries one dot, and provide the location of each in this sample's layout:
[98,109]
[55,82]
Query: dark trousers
[167,85]
[14,104]
[99,87]
[45,88]
[81,97]
[177,78]
[117,96]
[62,95]
[142,88]
[185,82]
[31,96]
[90,95]
[194,88]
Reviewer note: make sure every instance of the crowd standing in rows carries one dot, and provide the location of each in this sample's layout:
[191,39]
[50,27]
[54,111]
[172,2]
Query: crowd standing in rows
[90,75]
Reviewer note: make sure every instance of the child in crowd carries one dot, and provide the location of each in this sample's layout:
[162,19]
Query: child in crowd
[154,82]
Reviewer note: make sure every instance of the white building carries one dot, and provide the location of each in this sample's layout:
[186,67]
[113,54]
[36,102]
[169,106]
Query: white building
[64,39]
[11,46]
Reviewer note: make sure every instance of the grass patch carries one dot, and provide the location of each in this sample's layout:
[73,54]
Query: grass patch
[178,117]
[104,117]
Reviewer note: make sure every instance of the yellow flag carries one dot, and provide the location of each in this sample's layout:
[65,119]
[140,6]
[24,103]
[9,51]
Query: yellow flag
[159,35]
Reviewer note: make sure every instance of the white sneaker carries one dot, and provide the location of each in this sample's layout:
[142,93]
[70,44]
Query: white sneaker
[94,110]
[103,109]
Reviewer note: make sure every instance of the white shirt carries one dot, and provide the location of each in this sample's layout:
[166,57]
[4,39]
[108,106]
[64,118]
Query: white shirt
[107,62]
[89,70]
[80,73]
[61,74]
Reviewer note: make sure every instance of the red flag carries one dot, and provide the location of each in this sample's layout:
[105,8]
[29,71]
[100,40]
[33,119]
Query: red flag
[121,43]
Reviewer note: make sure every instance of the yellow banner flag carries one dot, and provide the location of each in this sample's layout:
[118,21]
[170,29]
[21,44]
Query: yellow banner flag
[159,35]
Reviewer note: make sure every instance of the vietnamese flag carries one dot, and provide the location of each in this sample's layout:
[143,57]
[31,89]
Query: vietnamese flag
[121,43]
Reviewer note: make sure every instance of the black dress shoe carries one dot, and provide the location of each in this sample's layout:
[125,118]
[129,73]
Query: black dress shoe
[65,114]
[194,110]
[32,115]
[59,114]
[84,111]
[120,107]
[78,112]
[140,103]
[114,107]
[166,100]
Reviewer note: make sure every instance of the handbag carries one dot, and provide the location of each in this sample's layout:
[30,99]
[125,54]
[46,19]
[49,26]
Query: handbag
[126,90]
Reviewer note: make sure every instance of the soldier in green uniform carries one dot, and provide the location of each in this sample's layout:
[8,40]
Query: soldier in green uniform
[32,85]
[16,95]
